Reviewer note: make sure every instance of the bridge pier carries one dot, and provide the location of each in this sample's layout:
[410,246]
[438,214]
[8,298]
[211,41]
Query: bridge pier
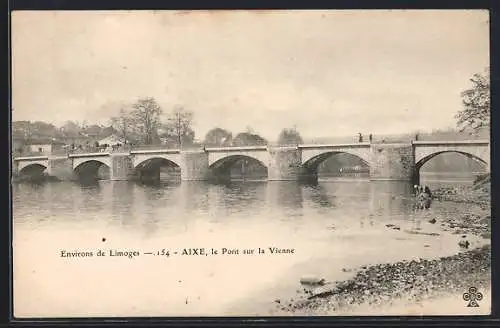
[285,164]
[121,167]
[61,168]
[194,166]
[14,167]
[392,162]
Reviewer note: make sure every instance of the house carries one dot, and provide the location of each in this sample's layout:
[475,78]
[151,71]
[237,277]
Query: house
[42,146]
[113,139]
[17,144]
[74,138]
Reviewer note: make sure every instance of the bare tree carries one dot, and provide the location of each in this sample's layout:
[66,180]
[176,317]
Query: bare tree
[476,102]
[122,124]
[145,119]
[179,126]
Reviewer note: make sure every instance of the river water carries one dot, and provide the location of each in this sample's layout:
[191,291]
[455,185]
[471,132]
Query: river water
[333,226]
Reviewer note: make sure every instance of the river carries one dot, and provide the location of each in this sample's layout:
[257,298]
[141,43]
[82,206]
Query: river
[332,226]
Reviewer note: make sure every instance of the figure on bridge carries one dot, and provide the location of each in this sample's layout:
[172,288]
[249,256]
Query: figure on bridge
[360,137]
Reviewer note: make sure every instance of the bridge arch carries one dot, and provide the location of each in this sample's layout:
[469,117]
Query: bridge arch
[153,161]
[426,159]
[22,164]
[35,169]
[479,151]
[91,169]
[310,156]
[151,168]
[141,159]
[105,160]
[250,165]
[215,159]
[311,159]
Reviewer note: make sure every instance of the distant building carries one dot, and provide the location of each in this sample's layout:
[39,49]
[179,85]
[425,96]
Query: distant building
[112,139]
[17,144]
[42,146]
[74,138]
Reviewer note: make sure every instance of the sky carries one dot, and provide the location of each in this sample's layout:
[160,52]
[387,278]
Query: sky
[328,73]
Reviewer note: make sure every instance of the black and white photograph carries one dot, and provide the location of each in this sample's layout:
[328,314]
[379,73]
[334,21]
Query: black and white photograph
[252,163]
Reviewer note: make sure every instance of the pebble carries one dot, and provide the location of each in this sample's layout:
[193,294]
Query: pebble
[312,280]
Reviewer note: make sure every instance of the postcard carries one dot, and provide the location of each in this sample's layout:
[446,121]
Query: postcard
[250,163]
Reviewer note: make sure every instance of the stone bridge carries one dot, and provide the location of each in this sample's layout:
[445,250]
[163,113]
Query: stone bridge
[387,161]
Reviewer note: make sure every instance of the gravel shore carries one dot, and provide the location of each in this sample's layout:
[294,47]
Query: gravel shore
[410,282]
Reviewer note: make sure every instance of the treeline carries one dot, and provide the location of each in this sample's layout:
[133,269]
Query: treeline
[146,123]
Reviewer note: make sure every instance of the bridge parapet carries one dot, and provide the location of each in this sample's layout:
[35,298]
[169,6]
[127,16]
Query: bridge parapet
[235,148]
[155,151]
[88,155]
[451,143]
[333,146]
[31,158]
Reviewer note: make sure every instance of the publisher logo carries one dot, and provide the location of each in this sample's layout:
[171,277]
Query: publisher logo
[472,296]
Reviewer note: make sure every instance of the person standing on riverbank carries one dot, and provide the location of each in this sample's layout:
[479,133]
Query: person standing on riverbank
[423,197]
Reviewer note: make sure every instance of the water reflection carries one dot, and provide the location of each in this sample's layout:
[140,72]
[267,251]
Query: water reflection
[391,198]
[122,204]
[285,194]
[236,199]
[91,199]
[320,196]
[169,207]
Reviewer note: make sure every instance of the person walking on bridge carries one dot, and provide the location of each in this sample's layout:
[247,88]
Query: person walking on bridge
[360,137]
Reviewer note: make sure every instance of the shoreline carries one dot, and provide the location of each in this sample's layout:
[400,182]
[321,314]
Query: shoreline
[401,284]
[413,287]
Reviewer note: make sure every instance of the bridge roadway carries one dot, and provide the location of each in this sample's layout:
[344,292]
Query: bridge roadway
[387,161]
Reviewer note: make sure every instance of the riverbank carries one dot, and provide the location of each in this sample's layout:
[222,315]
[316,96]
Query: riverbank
[423,286]
[402,284]
[479,193]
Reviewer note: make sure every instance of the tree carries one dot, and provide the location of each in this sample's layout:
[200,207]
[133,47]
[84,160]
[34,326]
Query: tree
[248,139]
[145,119]
[289,137]
[179,127]
[476,102]
[218,137]
[71,128]
[123,125]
